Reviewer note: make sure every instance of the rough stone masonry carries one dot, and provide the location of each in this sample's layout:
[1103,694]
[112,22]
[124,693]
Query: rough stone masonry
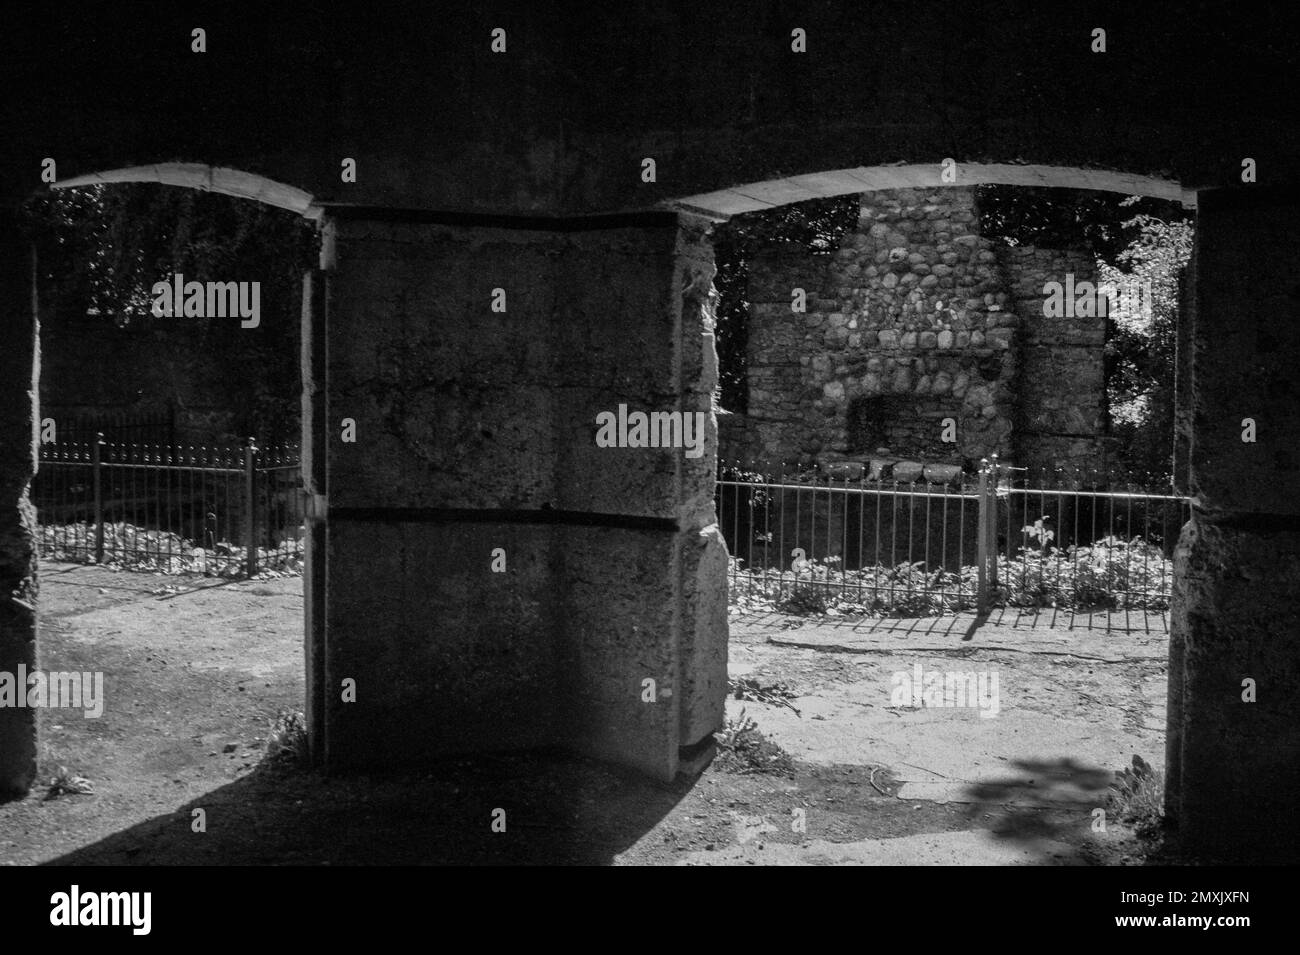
[917,318]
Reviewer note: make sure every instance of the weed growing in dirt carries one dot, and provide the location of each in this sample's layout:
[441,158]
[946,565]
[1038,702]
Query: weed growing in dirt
[777,694]
[1138,797]
[69,784]
[743,749]
[805,599]
[287,742]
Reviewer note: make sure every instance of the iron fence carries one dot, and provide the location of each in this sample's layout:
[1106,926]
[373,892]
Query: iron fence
[223,511]
[860,542]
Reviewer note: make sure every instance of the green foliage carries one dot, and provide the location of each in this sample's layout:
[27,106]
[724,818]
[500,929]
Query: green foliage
[100,249]
[1052,218]
[805,599]
[1140,240]
[1110,574]
[1141,350]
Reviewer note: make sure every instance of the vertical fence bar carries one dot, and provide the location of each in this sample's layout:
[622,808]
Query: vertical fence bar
[1077,485]
[992,529]
[911,535]
[893,540]
[1146,551]
[961,539]
[1058,530]
[768,540]
[928,488]
[1042,540]
[812,529]
[943,553]
[1110,542]
[99,498]
[844,540]
[862,510]
[780,532]
[875,562]
[1128,552]
[982,541]
[250,503]
[131,512]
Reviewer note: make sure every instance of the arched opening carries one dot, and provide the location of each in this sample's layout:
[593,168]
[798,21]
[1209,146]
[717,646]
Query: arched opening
[832,510]
[169,506]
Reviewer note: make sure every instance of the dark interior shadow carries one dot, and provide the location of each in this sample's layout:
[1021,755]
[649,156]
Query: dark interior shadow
[559,810]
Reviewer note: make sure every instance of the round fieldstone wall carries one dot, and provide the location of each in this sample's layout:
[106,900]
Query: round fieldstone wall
[914,320]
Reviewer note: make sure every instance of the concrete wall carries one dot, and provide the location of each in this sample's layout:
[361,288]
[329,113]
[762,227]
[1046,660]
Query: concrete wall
[19,588]
[1234,765]
[475,431]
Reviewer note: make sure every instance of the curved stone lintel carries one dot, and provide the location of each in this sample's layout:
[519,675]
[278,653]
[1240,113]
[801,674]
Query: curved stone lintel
[230,182]
[753,196]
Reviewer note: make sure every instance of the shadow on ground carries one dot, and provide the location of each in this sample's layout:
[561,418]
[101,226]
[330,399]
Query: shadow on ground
[559,809]
[1043,803]
[966,623]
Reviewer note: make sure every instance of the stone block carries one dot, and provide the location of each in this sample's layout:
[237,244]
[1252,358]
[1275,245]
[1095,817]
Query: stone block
[908,472]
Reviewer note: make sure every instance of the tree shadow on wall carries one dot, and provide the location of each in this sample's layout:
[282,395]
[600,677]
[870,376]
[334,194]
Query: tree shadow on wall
[559,810]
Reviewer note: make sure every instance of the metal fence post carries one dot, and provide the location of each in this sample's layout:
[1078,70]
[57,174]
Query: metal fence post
[99,499]
[250,505]
[993,522]
[982,541]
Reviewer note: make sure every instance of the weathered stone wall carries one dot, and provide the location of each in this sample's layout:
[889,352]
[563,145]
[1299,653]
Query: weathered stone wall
[19,376]
[1233,763]
[475,431]
[918,318]
[1060,392]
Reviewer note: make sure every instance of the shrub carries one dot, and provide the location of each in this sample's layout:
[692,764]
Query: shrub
[743,749]
[1138,797]
[288,740]
[1110,574]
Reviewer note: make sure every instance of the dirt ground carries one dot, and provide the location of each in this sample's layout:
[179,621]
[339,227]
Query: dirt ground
[196,670]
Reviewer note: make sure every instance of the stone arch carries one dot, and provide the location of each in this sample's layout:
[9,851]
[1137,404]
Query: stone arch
[221,179]
[1225,627]
[21,367]
[1031,352]
[753,196]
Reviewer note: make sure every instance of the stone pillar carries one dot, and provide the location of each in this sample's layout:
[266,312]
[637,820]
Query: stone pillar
[1183,376]
[492,579]
[315,441]
[19,416]
[1234,765]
